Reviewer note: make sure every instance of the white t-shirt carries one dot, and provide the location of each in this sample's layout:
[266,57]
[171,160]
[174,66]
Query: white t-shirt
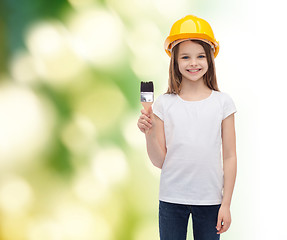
[192,171]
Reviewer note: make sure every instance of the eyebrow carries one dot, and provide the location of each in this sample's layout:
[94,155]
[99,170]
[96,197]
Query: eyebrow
[188,53]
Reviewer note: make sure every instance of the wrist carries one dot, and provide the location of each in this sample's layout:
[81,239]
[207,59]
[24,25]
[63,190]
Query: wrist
[225,204]
[150,133]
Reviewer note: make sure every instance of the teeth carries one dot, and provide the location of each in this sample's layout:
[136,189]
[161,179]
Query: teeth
[193,70]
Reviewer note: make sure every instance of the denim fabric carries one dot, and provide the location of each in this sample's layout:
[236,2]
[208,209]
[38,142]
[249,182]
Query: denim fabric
[173,221]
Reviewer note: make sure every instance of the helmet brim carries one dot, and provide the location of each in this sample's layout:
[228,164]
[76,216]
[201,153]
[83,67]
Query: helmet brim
[197,36]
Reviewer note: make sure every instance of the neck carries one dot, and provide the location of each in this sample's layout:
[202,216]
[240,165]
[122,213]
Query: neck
[189,87]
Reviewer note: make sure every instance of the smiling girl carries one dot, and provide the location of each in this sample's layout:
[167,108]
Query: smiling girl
[184,131]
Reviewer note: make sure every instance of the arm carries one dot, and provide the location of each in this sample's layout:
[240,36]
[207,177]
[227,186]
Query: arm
[155,141]
[153,127]
[230,169]
[229,158]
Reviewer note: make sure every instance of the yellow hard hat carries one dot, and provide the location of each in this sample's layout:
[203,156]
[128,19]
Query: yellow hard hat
[188,28]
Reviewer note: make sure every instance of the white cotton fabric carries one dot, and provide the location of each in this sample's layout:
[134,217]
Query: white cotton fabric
[192,171]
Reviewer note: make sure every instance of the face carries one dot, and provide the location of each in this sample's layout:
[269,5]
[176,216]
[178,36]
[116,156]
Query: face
[192,61]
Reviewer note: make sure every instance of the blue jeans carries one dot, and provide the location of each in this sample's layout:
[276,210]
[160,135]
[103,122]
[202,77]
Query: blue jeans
[173,221]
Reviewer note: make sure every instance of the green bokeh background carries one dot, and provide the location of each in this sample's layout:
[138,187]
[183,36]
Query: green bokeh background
[73,164]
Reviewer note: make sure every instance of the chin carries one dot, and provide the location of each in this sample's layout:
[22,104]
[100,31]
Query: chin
[194,79]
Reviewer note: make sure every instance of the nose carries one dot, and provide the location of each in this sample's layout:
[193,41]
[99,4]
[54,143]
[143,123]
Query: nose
[193,62]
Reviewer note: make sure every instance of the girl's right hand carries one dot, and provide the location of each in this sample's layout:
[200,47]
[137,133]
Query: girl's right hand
[146,121]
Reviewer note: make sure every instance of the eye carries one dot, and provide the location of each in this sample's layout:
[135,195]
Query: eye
[201,56]
[185,57]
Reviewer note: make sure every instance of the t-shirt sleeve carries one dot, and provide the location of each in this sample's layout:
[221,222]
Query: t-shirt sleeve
[228,106]
[157,107]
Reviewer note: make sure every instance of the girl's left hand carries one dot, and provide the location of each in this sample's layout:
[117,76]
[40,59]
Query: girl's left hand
[224,219]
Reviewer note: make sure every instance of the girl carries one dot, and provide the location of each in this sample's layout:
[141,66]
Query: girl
[184,130]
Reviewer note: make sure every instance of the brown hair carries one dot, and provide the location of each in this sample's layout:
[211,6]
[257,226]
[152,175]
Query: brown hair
[175,77]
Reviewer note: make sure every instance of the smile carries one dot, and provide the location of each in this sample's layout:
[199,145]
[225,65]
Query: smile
[193,70]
